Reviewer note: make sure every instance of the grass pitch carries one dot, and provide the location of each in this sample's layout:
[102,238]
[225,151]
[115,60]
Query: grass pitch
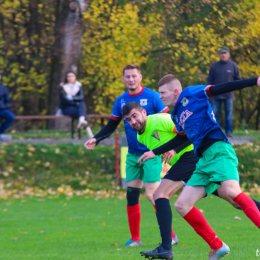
[79,228]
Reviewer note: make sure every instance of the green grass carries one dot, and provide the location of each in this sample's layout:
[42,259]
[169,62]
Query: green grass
[80,228]
[48,166]
[55,134]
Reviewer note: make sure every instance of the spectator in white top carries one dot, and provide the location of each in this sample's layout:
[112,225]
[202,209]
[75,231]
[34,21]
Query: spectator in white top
[72,101]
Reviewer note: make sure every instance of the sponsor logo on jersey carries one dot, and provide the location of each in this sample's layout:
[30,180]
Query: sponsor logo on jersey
[122,103]
[143,102]
[184,116]
[155,135]
[184,101]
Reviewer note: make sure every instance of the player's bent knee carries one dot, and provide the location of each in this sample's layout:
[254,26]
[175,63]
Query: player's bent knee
[232,192]
[149,196]
[179,206]
[158,195]
[132,196]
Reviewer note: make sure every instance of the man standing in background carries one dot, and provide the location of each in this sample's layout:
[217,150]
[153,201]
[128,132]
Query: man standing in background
[223,71]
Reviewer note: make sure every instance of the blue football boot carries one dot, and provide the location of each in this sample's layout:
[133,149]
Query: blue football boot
[175,240]
[217,254]
[131,242]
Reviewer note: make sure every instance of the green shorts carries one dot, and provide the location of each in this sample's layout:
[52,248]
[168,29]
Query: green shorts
[218,163]
[149,171]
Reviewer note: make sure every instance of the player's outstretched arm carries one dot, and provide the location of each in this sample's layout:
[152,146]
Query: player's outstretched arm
[232,86]
[107,130]
[90,144]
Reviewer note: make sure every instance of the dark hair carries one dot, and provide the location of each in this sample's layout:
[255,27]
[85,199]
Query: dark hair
[166,79]
[66,75]
[131,67]
[131,105]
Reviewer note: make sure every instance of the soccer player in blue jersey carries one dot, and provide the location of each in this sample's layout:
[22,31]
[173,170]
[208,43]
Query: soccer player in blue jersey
[217,164]
[136,175]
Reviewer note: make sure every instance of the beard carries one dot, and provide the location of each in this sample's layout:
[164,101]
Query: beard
[141,127]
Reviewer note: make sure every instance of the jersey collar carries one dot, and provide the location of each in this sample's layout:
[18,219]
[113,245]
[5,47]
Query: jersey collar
[136,93]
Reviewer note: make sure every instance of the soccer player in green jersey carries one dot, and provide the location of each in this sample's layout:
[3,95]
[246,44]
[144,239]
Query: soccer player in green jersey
[154,131]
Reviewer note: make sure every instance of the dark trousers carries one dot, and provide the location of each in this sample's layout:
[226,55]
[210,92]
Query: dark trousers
[75,111]
[228,104]
[9,118]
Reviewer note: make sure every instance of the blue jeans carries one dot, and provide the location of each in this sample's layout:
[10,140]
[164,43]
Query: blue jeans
[75,111]
[228,104]
[9,118]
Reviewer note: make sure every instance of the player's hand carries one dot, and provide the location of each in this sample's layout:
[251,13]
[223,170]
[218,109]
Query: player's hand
[146,156]
[167,157]
[258,81]
[91,143]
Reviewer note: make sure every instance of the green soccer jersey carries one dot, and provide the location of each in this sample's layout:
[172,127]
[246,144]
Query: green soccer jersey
[159,130]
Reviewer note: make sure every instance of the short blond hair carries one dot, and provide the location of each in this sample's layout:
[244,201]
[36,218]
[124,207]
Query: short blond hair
[166,79]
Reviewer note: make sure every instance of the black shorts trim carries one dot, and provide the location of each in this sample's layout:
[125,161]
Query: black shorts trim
[183,168]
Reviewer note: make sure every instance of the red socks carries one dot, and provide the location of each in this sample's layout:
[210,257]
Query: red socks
[196,219]
[173,234]
[249,208]
[134,218]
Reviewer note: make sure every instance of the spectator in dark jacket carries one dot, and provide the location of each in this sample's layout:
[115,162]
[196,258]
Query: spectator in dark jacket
[8,116]
[222,71]
[72,104]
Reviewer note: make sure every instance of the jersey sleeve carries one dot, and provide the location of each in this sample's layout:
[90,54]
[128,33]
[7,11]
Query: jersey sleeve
[200,91]
[158,104]
[116,112]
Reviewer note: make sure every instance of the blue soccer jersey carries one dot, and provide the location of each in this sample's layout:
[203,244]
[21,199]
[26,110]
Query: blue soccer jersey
[193,115]
[150,101]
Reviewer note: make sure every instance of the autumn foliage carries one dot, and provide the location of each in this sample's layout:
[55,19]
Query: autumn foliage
[170,36]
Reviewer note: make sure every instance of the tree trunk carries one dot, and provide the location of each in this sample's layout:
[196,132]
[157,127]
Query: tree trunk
[67,47]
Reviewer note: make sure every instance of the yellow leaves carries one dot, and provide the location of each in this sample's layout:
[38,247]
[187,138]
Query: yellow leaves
[30,148]
[115,37]
[193,70]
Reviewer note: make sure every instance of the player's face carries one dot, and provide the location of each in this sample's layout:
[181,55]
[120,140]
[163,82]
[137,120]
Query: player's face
[224,56]
[132,79]
[137,119]
[71,78]
[167,95]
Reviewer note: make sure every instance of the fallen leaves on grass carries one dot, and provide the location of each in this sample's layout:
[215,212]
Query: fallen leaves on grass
[237,218]
[114,244]
[25,191]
